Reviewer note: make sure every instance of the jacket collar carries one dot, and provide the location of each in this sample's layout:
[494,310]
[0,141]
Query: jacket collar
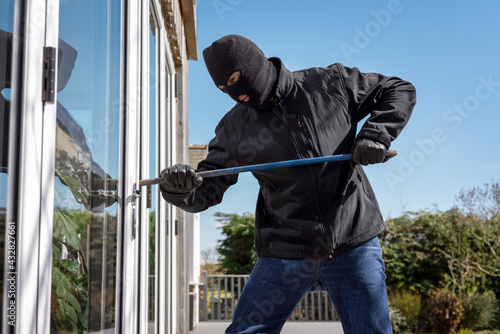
[285,82]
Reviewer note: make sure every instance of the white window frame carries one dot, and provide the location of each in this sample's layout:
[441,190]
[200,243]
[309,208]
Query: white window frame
[31,190]
[170,220]
[32,152]
[165,290]
[165,228]
[128,272]
[145,153]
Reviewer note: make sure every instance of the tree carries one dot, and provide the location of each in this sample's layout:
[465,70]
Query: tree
[409,245]
[210,261]
[237,250]
[480,206]
[458,250]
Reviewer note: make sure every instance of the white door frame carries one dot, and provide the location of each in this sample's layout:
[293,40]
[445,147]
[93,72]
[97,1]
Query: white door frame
[128,271]
[31,174]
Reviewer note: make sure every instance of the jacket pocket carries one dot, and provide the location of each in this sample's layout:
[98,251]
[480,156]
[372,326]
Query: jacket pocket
[364,184]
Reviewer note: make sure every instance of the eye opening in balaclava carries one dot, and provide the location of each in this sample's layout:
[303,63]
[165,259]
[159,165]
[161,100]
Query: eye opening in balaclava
[233,78]
[258,75]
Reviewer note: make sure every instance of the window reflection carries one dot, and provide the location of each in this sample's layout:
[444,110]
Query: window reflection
[153,32]
[87,161]
[5,65]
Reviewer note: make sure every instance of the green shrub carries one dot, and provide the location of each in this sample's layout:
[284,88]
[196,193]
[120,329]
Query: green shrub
[457,250]
[465,331]
[408,305]
[398,321]
[480,311]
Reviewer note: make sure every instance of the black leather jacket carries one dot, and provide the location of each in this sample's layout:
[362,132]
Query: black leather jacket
[314,211]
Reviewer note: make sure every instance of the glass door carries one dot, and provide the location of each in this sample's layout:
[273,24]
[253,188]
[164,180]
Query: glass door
[151,138]
[87,161]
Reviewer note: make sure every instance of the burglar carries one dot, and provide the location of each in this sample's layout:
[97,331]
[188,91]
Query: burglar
[316,226]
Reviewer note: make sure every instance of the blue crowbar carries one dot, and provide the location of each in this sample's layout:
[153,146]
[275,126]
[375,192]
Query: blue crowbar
[270,165]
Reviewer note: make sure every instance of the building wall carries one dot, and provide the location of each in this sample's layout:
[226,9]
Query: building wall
[181,29]
[196,154]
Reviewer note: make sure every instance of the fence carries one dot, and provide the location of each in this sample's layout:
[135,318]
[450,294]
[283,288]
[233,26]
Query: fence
[219,296]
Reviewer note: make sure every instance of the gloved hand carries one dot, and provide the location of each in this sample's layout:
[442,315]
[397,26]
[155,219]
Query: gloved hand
[366,151]
[180,178]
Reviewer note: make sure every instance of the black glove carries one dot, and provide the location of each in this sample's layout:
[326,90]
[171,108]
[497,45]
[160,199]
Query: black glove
[366,151]
[180,179]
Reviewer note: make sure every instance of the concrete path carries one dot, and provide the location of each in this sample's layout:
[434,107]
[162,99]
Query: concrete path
[291,327]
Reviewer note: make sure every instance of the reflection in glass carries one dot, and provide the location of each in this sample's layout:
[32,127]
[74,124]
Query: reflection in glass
[152,165]
[87,145]
[6,28]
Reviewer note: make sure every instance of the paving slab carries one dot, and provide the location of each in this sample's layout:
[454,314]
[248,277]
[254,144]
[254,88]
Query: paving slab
[291,327]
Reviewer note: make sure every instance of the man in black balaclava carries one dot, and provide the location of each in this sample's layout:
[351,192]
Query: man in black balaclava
[316,226]
[240,69]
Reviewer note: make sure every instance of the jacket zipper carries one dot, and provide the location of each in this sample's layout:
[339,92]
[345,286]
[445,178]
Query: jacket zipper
[296,137]
[323,226]
[278,111]
[315,195]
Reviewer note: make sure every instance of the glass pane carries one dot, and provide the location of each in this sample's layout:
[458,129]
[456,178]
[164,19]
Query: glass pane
[87,167]
[152,164]
[6,28]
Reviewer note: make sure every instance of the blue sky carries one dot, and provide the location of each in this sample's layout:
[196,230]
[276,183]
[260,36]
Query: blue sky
[449,50]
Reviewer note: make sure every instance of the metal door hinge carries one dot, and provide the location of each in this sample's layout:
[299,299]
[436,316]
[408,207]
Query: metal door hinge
[49,74]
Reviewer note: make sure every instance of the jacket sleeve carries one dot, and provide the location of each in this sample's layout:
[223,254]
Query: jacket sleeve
[211,191]
[388,100]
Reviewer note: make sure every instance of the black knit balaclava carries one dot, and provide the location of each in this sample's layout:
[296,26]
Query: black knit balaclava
[234,53]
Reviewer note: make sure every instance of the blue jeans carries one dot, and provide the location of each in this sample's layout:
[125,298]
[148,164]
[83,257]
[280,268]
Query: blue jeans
[355,282]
